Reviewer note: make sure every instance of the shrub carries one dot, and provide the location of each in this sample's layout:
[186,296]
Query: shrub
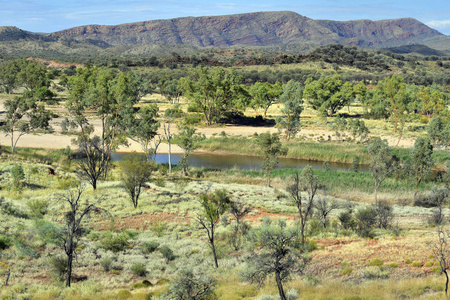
[58,265]
[167,253]
[375,273]
[48,232]
[5,242]
[17,175]
[106,263]
[416,264]
[346,220]
[191,286]
[376,262]
[408,261]
[38,207]
[138,269]
[385,214]
[115,243]
[141,285]
[346,271]
[366,219]
[123,294]
[428,264]
[149,247]
[393,265]
[174,112]
[193,119]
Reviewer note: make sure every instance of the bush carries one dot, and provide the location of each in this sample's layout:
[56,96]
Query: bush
[346,220]
[408,261]
[38,207]
[17,175]
[375,273]
[366,219]
[192,286]
[138,269]
[5,242]
[106,263]
[167,253]
[124,294]
[58,265]
[174,112]
[193,119]
[376,262]
[393,265]
[149,247]
[416,264]
[48,232]
[346,271]
[115,243]
[385,214]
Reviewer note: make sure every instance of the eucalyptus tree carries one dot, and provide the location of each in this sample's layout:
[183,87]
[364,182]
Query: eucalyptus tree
[264,94]
[110,97]
[328,94]
[289,121]
[381,162]
[144,128]
[271,148]
[188,140]
[215,91]
[16,125]
[421,160]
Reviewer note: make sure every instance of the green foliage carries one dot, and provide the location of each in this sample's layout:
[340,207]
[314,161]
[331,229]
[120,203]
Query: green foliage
[439,132]
[366,219]
[376,262]
[48,232]
[135,171]
[58,266]
[114,243]
[123,294]
[264,94]
[149,247]
[167,253]
[328,94]
[174,112]
[215,91]
[271,148]
[17,175]
[38,207]
[289,121]
[421,159]
[5,242]
[381,163]
[417,264]
[188,140]
[144,128]
[189,285]
[393,265]
[138,269]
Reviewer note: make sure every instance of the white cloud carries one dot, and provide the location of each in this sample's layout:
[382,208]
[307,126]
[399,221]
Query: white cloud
[439,23]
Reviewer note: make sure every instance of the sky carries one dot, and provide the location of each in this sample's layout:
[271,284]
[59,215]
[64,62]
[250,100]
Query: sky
[51,15]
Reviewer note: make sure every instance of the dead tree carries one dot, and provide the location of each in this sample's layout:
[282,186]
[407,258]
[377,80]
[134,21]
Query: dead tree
[441,252]
[77,210]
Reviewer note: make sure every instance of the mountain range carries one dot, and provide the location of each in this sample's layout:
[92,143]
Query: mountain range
[262,29]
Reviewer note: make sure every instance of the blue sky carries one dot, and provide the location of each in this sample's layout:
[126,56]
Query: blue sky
[52,15]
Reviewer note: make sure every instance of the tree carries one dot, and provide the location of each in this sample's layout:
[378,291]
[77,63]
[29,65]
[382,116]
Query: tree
[213,205]
[309,182]
[264,94]
[111,97]
[16,110]
[76,211]
[328,94]
[215,91]
[168,137]
[144,128]
[439,132]
[323,208]
[292,100]
[441,252]
[421,160]
[381,163]
[135,172]
[271,148]
[239,210]
[277,254]
[188,141]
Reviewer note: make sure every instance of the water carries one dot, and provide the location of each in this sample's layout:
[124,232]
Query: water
[241,162]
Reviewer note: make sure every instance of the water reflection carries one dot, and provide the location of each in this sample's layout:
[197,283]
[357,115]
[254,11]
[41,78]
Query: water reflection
[242,162]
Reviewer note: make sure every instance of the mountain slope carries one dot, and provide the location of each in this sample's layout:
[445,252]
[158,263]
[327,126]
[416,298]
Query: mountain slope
[261,29]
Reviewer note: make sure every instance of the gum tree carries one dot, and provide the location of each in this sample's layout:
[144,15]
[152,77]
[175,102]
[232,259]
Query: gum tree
[271,148]
[189,141]
[214,205]
[289,121]
[381,163]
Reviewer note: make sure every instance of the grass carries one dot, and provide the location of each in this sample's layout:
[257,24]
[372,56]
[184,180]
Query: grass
[328,151]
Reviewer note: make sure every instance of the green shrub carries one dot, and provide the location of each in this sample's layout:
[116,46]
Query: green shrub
[17,175]
[138,269]
[48,232]
[38,207]
[393,265]
[159,228]
[416,264]
[193,119]
[408,261]
[376,262]
[106,264]
[174,112]
[167,253]
[149,247]
[5,242]
[346,271]
[141,285]
[428,264]
[436,270]
[58,266]
[123,294]
[115,243]
[163,281]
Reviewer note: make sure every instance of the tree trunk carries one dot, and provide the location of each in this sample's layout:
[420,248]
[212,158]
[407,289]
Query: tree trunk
[376,187]
[280,286]
[446,282]
[170,162]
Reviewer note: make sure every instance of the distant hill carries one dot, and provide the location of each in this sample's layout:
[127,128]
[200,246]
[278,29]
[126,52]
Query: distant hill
[417,49]
[260,29]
